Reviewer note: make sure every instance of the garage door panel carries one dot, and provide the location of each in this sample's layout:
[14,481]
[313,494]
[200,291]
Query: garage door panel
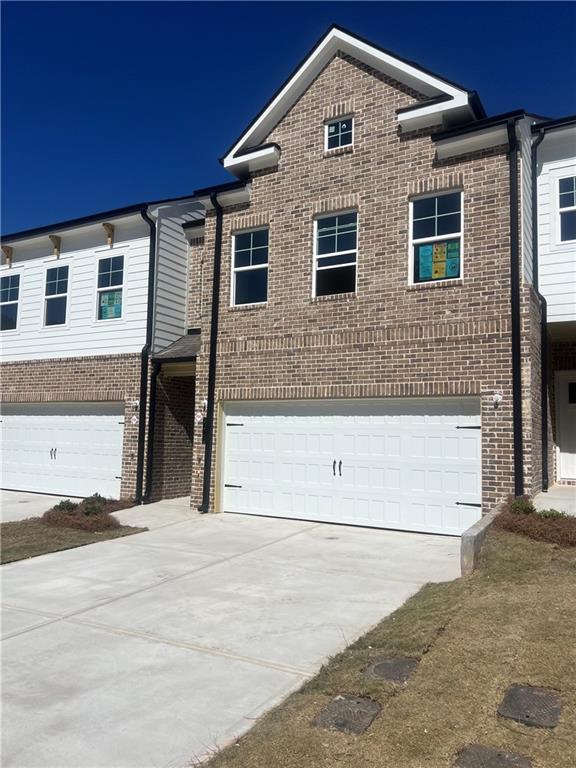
[70,449]
[408,464]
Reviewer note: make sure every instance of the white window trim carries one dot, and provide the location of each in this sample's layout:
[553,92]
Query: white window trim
[121,287]
[560,211]
[338,120]
[17,302]
[234,270]
[336,253]
[54,265]
[412,242]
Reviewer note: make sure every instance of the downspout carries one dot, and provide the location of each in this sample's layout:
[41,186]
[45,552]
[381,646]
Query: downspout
[144,357]
[543,314]
[515,311]
[151,431]
[208,427]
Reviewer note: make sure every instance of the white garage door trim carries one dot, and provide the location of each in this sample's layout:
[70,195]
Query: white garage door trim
[68,449]
[408,463]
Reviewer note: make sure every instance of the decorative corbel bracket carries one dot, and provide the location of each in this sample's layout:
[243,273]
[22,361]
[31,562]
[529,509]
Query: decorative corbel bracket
[109,229]
[56,241]
[8,252]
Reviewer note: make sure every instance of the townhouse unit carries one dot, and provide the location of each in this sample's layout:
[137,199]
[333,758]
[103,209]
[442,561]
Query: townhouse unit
[362,328]
[83,307]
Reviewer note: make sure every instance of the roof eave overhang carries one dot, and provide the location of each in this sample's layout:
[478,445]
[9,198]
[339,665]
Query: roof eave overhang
[455,101]
[226,198]
[257,160]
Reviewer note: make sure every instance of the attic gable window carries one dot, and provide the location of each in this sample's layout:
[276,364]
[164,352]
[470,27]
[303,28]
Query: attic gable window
[339,133]
[567,208]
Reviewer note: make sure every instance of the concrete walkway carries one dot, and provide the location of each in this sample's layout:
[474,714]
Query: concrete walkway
[19,505]
[560,497]
[155,649]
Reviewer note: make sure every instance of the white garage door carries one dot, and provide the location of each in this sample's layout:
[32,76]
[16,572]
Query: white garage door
[71,449]
[407,464]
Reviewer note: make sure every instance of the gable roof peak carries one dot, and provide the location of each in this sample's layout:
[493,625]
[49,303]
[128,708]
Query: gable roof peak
[446,101]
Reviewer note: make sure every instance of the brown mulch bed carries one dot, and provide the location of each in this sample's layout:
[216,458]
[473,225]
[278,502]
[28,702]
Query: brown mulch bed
[519,515]
[560,531]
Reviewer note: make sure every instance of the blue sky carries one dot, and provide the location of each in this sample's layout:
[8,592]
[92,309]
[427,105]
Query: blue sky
[109,104]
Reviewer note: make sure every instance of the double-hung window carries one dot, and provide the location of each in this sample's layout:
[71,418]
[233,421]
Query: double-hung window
[110,287]
[335,254]
[250,267]
[9,295]
[437,237]
[567,208]
[56,295]
[339,133]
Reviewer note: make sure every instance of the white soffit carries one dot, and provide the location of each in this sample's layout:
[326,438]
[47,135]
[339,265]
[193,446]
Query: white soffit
[472,142]
[227,198]
[339,40]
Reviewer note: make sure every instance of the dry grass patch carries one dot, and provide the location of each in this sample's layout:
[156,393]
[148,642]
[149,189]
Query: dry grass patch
[61,530]
[512,621]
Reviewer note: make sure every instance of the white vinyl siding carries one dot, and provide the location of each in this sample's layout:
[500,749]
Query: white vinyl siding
[172,273]
[526,199]
[556,259]
[82,334]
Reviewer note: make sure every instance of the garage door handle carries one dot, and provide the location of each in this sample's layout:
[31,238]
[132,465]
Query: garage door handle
[334,467]
[340,467]
[51,453]
[55,449]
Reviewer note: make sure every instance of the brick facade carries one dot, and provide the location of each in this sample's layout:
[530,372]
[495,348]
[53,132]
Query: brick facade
[389,339]
[113,378]
[173,437]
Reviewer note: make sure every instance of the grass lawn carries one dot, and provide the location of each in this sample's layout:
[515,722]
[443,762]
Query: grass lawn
[513,621]
[28,538]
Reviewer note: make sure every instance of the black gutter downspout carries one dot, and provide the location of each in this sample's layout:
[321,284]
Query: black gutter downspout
[144,356]
[151,431]
[208,427]
[543,315]
[515,311]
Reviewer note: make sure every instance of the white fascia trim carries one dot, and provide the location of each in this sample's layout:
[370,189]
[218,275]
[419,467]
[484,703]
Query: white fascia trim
[426,115]
[253,161]
[472,142]
[336,40]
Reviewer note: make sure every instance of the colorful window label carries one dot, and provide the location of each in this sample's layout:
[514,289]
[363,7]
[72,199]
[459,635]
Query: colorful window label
[437,261]
[110,305]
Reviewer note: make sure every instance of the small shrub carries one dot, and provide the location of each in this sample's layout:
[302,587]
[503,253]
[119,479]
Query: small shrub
[551,514]
[522,506]
[93,505]
[66,506]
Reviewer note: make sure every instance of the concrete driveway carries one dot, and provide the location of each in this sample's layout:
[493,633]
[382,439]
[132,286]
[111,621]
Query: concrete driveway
[18,505]
[155,649]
